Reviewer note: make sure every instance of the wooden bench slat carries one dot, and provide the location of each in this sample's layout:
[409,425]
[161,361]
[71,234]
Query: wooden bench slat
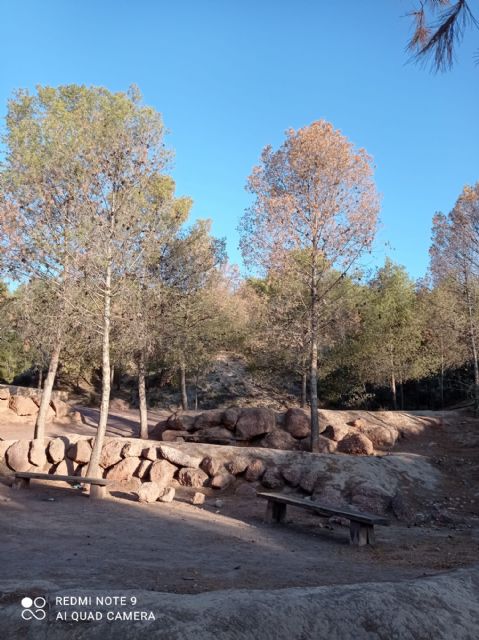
[49,476]
[367,518]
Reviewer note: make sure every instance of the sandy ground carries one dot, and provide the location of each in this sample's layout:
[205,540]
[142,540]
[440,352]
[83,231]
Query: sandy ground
[55,533]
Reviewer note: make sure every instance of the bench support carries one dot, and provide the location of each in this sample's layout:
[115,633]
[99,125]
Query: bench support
[361,534]
[97,491]
[21,483]
[275,511]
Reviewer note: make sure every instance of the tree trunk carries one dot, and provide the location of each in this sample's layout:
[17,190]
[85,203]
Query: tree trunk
[393,391]
[39,431]
[304,389]
[112,374]
[442,377]
[401,392]
[472,336]
[184,395]
[313,381]
[40,378]
[94,466]
[142,397]
[196,393]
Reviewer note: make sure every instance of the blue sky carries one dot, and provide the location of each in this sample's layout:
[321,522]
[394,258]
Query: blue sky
[231,76]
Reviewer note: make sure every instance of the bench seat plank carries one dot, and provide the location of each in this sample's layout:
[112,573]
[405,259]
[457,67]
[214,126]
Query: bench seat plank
[49,476]
[366,518]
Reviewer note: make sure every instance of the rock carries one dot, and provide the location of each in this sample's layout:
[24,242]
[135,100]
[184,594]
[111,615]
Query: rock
[17,456]
[254,422]
[37,453]
[162,472]
[245,491]
[118,404]
[65,468]
[292,474]
[356,444]
[56,450]
[178,457]
[336,432]
[4,445]
[211,466]
[61,408]
[222,480]
[330,496]
[124,469]
[150,453]
[297,423]
[23,406]
[325,445]
[186,422]
[126,486]
[4,393]
[214,433]
[167,494]
[237,466]
[156,432]
[111,453]
[198,498]
[371,498]
[309,479]
[76,416]
[148,492]
[272,479]
[132,449]
[281,440]
[143,469]
[219,504]
[255,470]
[81,452]
[208,419]
[230,417]
[192,477]
[381,437]
[358,423]
[172,435]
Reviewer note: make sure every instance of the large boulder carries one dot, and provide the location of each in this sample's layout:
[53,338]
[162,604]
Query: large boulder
[162,472]
[65,468]
[330,496]
[133,449]
[148,492]
[382,437]
[80,452]
[124,469]
[356,444]
[371,498]
[150,453]
[222,480]
[192,477]
[255,470]
[4,446]
[272,479]
[144,469]
[292,474]
[279,440]
[254,422]
[238,465]
[37,453]
[111,453]
[4,394]
[208,419]
[17,456]
[56,450]
[178,457]
[336,432]
[231,417]
[297,423]
[167,494]
[173,435]
[61,408]
[214,433]
[310,479]
[23,406]
[212,466]
[325,445]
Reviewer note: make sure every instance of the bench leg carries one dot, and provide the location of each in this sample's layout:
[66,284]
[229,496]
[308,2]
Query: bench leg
[21,483]
[97,491]
[275,511]
[361,534]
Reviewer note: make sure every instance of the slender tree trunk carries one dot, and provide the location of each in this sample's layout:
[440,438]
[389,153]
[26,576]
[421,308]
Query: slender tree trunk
[442,377]
[184,395]
[393,391]
[313,381]
[112,374]
[196,393]
[401,392]
[142,396]
[39,431]
[472,336]
[40,378]
[304,389]
[94,466]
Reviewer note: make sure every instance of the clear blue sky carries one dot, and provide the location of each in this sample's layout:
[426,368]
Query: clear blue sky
[230,76]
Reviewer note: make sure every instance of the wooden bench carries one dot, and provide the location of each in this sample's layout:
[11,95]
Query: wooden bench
[22,481]
[361,525]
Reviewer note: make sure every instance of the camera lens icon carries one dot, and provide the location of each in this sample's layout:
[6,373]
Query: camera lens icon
[34,608]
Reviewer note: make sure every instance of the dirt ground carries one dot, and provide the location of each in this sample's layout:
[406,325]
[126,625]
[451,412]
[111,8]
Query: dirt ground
[55,533]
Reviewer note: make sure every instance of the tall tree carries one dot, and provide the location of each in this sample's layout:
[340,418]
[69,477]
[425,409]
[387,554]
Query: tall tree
[315,208]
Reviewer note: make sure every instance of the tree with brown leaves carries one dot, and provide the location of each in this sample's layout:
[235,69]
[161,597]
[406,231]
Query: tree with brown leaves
[315,208]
